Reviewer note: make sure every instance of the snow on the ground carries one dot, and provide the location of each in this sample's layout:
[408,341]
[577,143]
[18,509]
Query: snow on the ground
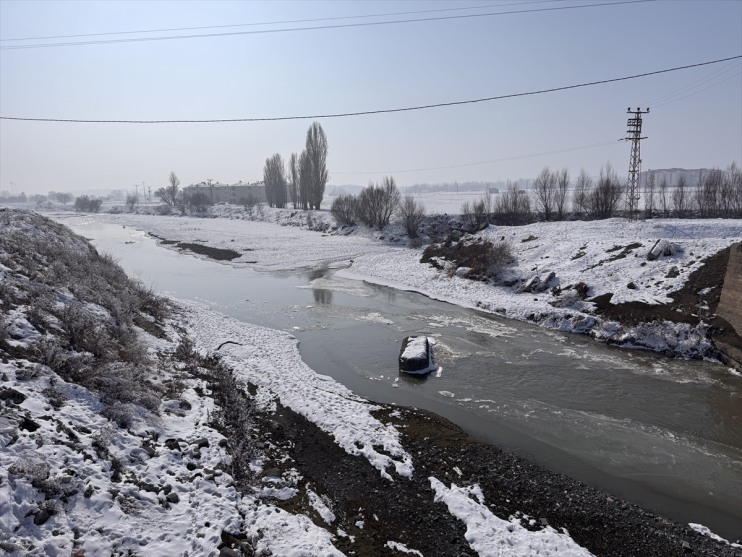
[598,253]
[107,519]
[162,508]
[264,246]
[319,505]
[402,548]
[491,536]
[701,529]
[270,359]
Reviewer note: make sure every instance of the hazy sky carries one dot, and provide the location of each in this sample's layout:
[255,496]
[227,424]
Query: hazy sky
[695,119]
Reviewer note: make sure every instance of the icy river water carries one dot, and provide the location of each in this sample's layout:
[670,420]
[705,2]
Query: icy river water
[665,434]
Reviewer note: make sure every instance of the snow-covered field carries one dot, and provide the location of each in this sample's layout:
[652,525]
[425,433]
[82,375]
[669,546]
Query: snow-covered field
[609,256]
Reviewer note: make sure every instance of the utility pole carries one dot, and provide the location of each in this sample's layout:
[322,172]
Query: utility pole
[634,135]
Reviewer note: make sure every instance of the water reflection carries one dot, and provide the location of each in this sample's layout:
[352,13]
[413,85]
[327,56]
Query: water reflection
[322,296]
[389,294]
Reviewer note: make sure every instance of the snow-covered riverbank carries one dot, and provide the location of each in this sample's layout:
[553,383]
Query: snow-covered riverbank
[135,462]
[604,258]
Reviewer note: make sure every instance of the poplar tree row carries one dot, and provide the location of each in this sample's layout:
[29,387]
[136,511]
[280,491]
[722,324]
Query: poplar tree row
[302,182]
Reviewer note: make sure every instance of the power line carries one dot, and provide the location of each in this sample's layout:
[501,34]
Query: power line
[701,85]
[690,94]
[711,76]
[491,161]
[283,22]
[379,111]
[320,27]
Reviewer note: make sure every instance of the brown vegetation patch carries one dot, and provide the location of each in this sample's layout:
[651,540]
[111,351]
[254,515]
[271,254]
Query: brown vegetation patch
[482,257]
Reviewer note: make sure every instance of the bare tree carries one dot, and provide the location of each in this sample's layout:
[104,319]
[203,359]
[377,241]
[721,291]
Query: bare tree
[513,206]
[560,199]
[294,179]
[305,180]
[707,196]
[169,194]
[664,198]
[377,203]
[274,177]
[131,200]
[735,178]
[411,214]
[545,189]
[726,195]
[606,195]
[581,196]
[316,149]
[649,195]
[680,198]
[65,198]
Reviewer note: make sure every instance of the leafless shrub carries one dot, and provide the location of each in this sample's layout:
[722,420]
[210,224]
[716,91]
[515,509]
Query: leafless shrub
[31,466]
[119,412]
[344,208]
[186,354]
[233,418]
[377,203]
[513,206]
[4,328]
[499,255]
[54,396]
[475,215]
[411,214]
[28,372]
[164,210]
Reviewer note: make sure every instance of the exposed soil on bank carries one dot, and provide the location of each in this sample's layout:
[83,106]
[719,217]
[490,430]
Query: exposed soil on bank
[696,302]
[371,510]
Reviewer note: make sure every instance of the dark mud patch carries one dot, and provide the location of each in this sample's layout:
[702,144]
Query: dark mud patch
[687,306]
[212,253]
[374,510]
[217,254]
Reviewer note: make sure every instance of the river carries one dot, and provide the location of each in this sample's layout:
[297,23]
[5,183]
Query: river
[665,434]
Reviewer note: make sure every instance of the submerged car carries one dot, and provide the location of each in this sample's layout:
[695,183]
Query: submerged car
[416,355]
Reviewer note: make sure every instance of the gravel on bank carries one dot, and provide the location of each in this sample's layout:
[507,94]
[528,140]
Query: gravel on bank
[371,511]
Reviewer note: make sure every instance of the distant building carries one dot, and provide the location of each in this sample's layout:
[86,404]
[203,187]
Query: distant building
[236,194]
[693,177]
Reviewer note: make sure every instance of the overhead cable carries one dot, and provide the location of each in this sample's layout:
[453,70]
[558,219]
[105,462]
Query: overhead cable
[318,27]
[282,22]
[491,161]
[378,111]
